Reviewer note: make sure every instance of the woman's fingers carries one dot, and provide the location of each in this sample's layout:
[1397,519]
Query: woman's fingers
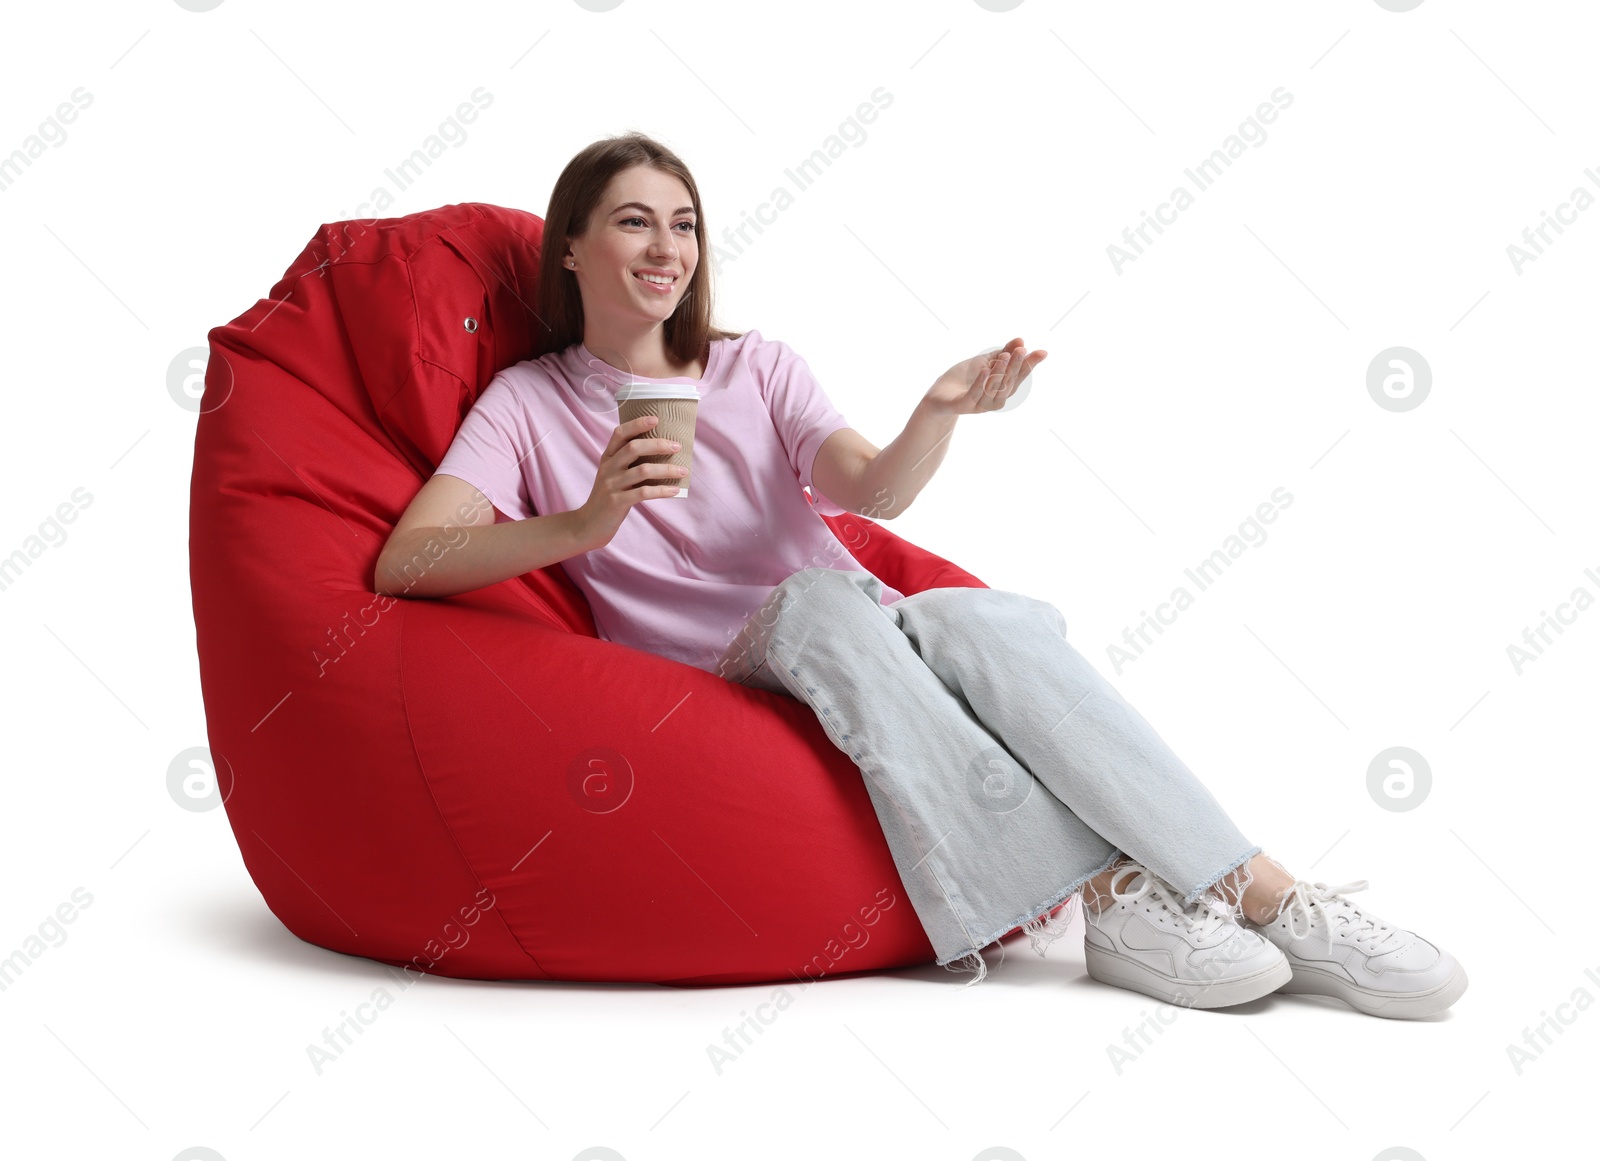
[1006,379]
[980,377]
[986,383]
[1021,367]
[996,375]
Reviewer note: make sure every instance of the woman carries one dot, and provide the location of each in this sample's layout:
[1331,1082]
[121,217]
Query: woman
[1007,774]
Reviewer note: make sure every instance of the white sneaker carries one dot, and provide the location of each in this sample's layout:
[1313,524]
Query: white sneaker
[1336,949]
[1195,957]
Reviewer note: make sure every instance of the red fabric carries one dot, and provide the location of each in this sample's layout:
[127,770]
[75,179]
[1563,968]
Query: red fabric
[478,786]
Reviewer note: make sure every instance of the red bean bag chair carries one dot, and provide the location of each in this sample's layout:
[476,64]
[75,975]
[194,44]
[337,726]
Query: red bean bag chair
[479,786]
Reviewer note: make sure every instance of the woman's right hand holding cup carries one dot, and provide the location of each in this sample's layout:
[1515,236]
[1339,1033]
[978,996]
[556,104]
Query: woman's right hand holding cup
[617,486]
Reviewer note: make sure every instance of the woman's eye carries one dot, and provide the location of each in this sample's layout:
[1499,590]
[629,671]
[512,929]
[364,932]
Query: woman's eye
[629,221]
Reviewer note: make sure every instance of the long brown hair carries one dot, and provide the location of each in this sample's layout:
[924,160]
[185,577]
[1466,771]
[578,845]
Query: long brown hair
[689,331]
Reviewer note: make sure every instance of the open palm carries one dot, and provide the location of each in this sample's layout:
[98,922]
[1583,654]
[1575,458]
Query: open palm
[983,382]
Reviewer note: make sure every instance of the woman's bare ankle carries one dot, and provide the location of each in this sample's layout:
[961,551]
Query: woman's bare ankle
[1266,890]
[1097,891]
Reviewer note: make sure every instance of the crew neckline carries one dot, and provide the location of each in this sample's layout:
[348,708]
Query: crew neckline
[591,360]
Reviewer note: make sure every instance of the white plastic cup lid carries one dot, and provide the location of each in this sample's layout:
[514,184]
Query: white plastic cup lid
[655,391]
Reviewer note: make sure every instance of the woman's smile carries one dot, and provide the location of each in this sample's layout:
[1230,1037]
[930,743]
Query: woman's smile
[655,287]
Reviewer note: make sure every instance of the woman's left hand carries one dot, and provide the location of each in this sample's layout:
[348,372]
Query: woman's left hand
[983,382]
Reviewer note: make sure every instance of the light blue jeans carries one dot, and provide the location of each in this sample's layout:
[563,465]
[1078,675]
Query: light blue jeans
[1004,770]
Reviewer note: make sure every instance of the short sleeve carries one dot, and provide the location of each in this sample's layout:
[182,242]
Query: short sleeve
[802,413]
[489,448]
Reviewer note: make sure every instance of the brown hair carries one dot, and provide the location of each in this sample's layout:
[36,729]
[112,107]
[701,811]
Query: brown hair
[689,331]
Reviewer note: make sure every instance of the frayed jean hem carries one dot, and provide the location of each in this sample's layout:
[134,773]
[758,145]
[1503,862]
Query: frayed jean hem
[1223,874]
[1042,928]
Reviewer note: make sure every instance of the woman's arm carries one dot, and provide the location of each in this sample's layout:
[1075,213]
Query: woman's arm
[836,473]
[881,484]
[447,542]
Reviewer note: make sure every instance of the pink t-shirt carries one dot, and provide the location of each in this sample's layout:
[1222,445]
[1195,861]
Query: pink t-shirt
[681,575]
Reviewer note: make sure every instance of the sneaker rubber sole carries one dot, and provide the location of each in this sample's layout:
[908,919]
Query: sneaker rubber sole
[1409,1006]
[1109,967]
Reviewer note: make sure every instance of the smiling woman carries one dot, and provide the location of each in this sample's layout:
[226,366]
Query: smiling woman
[1006,774]
[627,279]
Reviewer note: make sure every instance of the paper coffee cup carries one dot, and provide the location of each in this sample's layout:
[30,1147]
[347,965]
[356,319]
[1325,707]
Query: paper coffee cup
[677,407]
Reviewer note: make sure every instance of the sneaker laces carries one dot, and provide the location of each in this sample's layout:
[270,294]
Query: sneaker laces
[1201,916]
[1305,900]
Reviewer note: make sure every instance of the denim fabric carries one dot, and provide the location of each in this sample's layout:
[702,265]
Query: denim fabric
[1004,770]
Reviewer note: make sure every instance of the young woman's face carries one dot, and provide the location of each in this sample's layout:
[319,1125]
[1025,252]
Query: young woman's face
[645,223]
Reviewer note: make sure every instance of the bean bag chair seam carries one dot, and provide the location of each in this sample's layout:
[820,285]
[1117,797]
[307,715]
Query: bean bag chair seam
[417,331]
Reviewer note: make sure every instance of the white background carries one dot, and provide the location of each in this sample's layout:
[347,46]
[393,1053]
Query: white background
[1228,360]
